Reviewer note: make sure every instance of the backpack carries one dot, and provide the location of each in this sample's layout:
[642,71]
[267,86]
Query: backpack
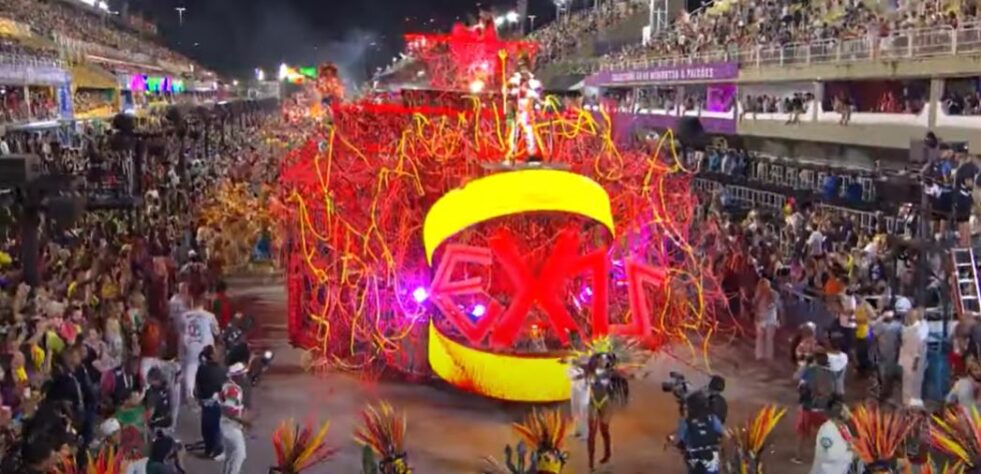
[819,389]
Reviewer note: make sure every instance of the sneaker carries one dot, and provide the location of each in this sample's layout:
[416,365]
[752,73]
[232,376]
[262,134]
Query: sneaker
[218,457]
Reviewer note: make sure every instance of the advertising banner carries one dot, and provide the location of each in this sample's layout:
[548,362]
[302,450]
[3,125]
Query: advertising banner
[40,75]
[665,74]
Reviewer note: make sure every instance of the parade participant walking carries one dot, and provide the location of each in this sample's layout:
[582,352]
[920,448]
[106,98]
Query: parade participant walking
[199,330]
[767,312]
[912,353]
[833,452]
[210,379]
[234,421]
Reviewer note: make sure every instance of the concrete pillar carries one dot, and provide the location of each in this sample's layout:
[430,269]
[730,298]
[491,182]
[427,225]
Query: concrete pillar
[935,100]
[818,100]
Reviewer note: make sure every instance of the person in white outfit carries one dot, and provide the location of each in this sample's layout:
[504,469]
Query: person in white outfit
[199,329]
[912,354]
[832,451]
[234,421]
[766,303]
[579,399]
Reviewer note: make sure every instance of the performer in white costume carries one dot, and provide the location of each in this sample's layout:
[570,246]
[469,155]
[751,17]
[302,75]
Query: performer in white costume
[579,400]
[526,91]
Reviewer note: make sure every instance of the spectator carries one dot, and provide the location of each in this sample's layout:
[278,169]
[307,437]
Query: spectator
[767,311]
[912,357]
[966,392]
[816,390]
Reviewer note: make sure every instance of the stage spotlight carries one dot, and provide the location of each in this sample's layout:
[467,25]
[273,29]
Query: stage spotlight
[478,311]
[420,295]
[477,86]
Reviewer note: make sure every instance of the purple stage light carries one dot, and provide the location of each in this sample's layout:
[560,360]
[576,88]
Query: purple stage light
[420,295]
[478,311]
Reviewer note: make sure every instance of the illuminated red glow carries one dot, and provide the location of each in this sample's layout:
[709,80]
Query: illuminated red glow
[353,197]
[547,289]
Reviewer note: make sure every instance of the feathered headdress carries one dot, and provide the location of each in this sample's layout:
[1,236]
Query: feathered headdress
[299,448]
[750,439]
[877,437]
[107,462]
[957,434]
[383,431]
[627,353]
[545,431]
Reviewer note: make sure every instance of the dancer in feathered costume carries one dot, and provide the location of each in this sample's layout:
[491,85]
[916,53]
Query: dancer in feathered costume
[545,432]
[750,439]
[300,448]
[383,435]
[609,362]
[878,435]
[108,461]
[526,91]
[957,435]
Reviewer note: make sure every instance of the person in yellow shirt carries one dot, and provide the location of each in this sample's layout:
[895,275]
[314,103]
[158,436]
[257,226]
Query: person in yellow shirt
[864,313]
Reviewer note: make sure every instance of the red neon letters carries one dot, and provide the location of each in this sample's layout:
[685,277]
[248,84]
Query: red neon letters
[546,289]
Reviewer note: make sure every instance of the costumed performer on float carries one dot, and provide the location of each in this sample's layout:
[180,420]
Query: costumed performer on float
[526,92]
[545,432]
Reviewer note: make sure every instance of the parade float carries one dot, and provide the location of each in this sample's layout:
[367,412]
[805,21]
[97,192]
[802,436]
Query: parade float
[473,230]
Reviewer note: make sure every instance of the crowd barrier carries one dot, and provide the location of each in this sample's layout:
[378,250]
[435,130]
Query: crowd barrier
[747,197]
[906,44]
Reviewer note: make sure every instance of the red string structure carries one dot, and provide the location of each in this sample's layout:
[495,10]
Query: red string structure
[354,195]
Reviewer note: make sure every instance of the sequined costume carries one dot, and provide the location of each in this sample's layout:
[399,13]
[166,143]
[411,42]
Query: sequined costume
[526,91]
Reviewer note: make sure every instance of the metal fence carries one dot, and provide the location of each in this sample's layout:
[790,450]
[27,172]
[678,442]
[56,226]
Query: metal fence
[907,44]
[21,60]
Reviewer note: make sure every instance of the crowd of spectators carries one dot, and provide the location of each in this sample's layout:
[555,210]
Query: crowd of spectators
[849,295]
[13,50]
[968,103]
[794,104]
[87,100]
[738,25]
[50,18]
[15,107]
[564,36]
[71,377]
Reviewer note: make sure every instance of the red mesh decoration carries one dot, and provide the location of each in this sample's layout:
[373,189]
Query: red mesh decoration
[354,197]
[457,61]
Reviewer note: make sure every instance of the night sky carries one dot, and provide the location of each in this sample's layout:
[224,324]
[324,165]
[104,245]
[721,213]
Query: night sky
[235,36]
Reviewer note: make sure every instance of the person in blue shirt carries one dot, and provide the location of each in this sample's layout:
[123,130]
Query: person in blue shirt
[699,436]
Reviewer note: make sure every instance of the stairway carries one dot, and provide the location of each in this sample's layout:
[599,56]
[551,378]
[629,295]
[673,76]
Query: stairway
[966,272]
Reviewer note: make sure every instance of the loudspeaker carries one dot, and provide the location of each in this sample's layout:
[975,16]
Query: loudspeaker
[65,210]
[690,133]
[124,123]
[18,170]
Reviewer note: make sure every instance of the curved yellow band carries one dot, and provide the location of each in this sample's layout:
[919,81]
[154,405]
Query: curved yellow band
[504,377]
[514,192]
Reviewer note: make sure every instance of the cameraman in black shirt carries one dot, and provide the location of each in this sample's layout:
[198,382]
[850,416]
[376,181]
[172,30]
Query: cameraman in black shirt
[208,380]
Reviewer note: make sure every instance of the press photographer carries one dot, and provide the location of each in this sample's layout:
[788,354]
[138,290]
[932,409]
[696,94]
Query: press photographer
[699,435]
[679,386]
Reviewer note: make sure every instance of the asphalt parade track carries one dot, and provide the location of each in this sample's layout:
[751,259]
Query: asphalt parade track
[450,432]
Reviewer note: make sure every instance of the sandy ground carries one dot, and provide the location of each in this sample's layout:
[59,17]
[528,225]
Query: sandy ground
[450,432]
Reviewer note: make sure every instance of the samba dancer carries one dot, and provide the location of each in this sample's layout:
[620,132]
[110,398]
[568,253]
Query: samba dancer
[526,91]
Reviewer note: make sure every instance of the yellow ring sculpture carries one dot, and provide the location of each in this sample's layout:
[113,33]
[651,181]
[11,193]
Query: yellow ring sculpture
[502,376]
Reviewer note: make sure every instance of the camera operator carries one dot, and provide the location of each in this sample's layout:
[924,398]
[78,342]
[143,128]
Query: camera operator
[678,386]
[699,436]
[713,395]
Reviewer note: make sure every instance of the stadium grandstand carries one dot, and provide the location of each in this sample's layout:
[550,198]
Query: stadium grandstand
[69,60]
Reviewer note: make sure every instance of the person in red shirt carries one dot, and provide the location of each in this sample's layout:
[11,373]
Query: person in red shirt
[222,308]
